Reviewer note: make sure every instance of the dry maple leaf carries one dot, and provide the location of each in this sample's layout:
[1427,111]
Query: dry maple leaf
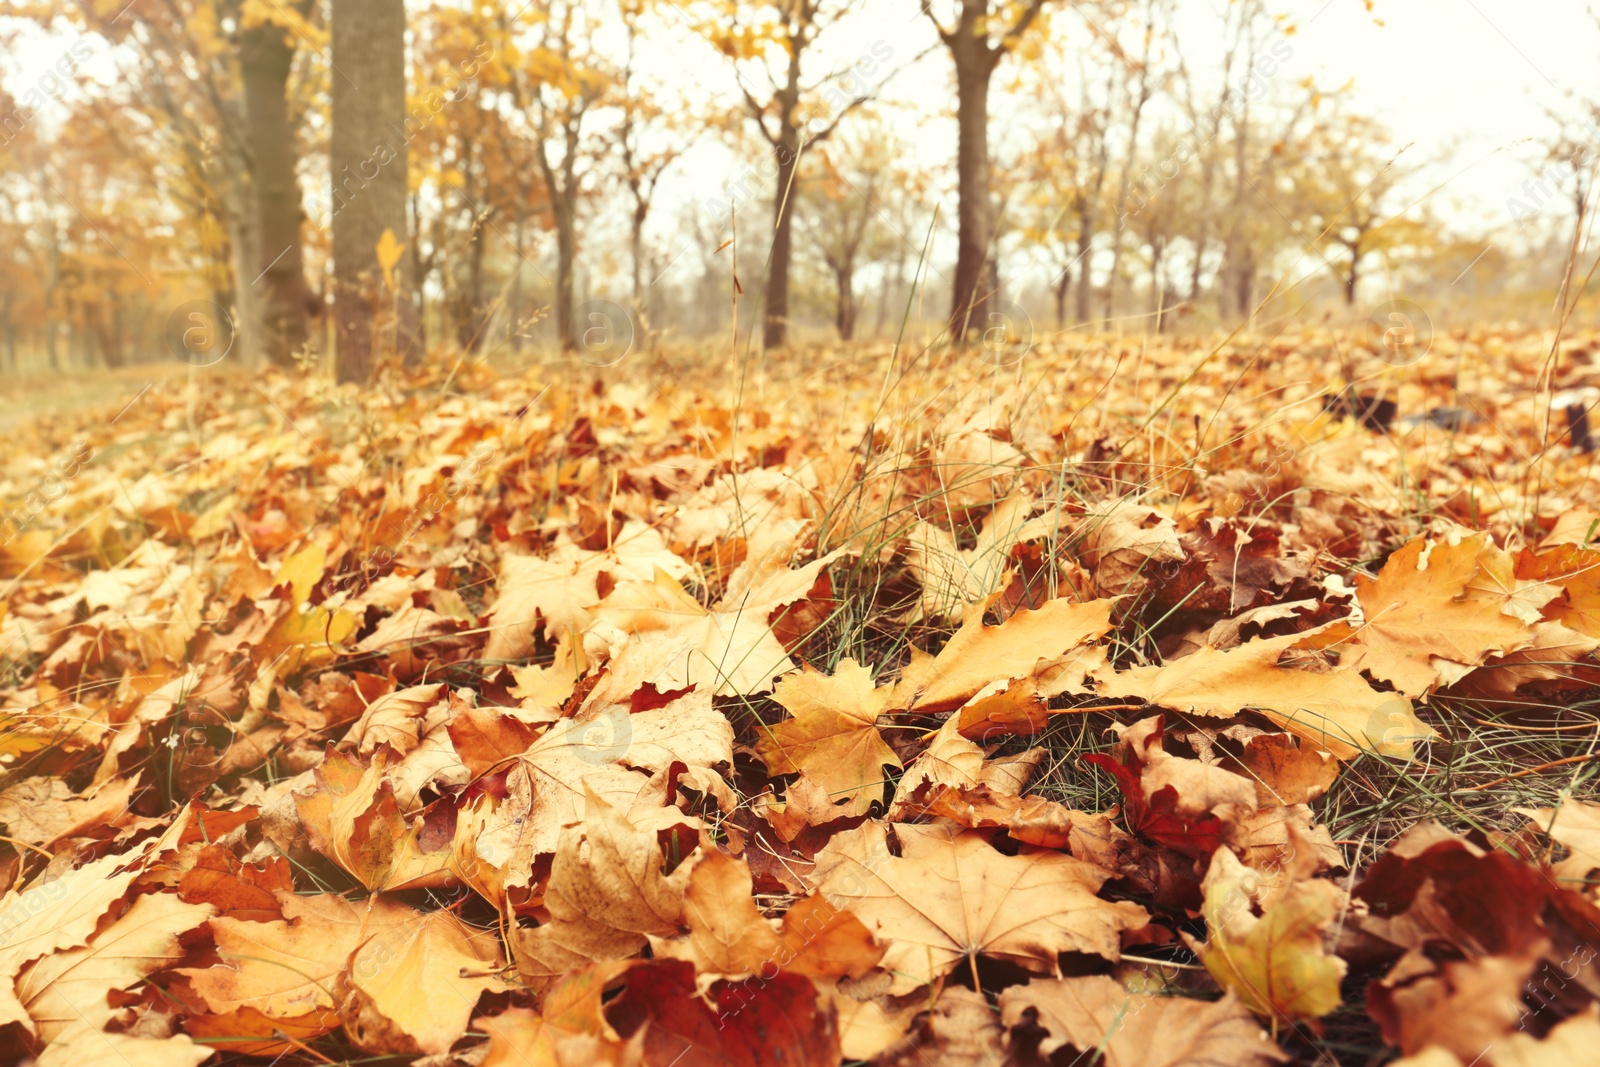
[1577,572]
[1419,623]
[1575,824]
[92,1048]
[1464,1006]
[41,811]
[655,633]
[1100,1018]
[1034,819]
[400,980]
[776,1022]
[624,758]
[570,1030]
[47,917]
[413,988]
[1285,770]
[70,988]
[1557,658]
[958,1030]
[234,888]
[952,762]
[1477,928]
[1276,963]
[949,897]
[606,895]
[1124,543]
[1026,645]
[832,737]
[351,816]
[1569,1042]
[729,937]
[954,579]
[562,587]
[1336,710]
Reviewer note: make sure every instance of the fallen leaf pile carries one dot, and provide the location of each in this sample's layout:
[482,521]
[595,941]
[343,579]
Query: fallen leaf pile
[889,709]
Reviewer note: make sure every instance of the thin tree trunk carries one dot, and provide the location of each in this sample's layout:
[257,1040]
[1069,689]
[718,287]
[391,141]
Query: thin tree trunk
[514,310]
[369,173]
[973,213]
[844,317]
[1085,279]
[265,57]
[566,252]
[775,331]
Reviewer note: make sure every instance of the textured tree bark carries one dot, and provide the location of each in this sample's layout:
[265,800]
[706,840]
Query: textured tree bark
[844,316]
[775,332]
[566,257]
[974,65]
[265,56]
[368,166]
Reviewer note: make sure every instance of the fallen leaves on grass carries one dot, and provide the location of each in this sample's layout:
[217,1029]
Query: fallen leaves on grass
[610,726]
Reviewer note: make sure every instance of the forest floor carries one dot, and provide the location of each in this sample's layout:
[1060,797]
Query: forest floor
[914,707]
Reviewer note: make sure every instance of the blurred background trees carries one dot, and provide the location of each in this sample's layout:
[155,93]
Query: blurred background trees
[465,177]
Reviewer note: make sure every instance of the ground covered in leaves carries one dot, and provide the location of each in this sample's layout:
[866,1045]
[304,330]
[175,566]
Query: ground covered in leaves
[1134,703]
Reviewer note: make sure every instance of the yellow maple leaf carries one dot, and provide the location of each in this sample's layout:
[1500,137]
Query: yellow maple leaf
[833,736]
[388,251]
[1276,963]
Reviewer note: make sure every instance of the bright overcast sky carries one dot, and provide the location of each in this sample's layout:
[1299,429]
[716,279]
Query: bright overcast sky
[1476,76]
[1468,81]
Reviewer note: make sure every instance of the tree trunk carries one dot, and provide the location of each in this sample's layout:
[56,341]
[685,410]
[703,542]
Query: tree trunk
[1245,282]
[775,331]
[1352,278]
[844,316]
[973,69]
[566,252]
[514,309]
[1157,298]
[368,165]
[419,313]
[1085,279]
[236,295]
[641,211]
[264,60]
